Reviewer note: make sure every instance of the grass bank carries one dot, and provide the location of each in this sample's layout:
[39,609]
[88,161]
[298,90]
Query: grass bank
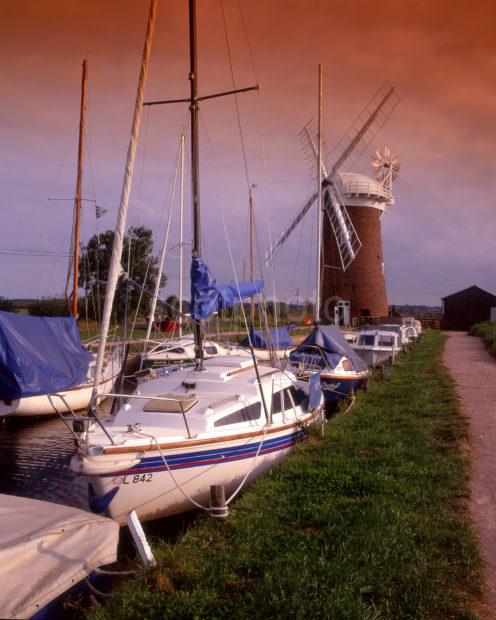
[368,522]
[487,333]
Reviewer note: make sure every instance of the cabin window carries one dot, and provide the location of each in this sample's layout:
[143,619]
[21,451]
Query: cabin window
[366,341]
[247,414]
[276,403]
[347,365]
[299,398]
[176,350]
[386,341]
[211,350]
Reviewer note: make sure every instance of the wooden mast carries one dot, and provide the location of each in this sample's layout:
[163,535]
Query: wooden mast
[77,200]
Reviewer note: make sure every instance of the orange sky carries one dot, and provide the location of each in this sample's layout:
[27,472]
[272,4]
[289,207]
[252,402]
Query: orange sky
[440,55]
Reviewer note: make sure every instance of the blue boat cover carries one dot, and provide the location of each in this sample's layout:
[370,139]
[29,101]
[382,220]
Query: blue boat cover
[324,348]
[277,338]
[208,297]
[40,355]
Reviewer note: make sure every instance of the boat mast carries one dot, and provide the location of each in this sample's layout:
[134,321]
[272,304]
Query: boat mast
[77,200]
[181,226]
[115,268]
[195,173]
[319,201]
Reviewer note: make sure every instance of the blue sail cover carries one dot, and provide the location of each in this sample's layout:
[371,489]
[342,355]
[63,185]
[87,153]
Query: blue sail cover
[208,297]
[324,348]
[276,339]
[40,355]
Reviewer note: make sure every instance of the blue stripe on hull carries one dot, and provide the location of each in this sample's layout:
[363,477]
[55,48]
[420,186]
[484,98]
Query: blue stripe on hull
[211,457]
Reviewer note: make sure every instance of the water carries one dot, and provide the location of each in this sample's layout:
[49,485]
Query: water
[34,462]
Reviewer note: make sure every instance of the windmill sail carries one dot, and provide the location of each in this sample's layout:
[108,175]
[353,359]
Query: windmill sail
[348,150]
[346,236]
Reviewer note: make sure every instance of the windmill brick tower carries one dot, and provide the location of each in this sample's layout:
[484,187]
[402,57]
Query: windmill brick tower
[351,264]
[363,283]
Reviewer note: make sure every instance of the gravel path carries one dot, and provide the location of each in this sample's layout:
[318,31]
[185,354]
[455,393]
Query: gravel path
[474,372]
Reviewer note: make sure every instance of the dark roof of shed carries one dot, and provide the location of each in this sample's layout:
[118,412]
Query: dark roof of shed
[471,289]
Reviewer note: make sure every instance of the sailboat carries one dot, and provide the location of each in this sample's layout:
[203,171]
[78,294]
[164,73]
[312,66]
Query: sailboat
[325,349]
[44,368]
[223,422]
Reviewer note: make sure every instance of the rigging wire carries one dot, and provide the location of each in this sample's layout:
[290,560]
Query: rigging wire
[142,171]
[245,162]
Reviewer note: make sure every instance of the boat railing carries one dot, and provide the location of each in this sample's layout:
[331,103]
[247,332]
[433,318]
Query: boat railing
[308,363]
[135,397]
[76,419]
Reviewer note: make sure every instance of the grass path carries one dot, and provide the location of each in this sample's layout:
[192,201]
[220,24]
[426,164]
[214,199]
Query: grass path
[368,522]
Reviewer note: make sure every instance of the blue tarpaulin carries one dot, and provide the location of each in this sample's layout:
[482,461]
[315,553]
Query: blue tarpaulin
[324,348]
[208,297]
[276,339]
[40,355]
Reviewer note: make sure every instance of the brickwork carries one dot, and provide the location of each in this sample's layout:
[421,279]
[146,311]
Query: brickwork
[363,283]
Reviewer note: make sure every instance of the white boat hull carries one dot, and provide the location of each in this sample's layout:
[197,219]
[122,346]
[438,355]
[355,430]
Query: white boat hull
[77,397]
[153,491]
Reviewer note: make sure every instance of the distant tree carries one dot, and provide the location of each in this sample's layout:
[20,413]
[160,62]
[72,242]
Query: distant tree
[172,307]
[49,306]
[94,264]
[283,311]
[6,304]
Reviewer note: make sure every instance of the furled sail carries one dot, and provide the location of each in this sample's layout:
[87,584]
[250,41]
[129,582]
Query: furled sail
[208,297]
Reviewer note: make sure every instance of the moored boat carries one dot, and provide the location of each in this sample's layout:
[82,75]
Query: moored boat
[44,368]
[377,347]
[225,421]
[326,350]
[180,434]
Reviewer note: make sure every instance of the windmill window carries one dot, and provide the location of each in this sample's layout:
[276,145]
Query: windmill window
[247,414]
[353,288]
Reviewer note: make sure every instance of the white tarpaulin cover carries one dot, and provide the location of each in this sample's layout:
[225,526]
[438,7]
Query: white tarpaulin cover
[45,548]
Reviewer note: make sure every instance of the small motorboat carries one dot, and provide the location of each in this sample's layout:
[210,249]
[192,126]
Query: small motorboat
[327,351]
[377,347]
[179,434]
[404,338]
[410,321]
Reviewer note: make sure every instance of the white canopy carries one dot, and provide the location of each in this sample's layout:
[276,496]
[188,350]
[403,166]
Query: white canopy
[45,548]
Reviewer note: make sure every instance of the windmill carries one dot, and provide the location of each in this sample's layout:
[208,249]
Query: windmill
[386,166]
[347,240]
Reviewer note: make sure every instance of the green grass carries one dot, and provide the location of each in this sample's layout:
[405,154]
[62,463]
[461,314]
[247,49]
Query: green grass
[368,522]
[487,333]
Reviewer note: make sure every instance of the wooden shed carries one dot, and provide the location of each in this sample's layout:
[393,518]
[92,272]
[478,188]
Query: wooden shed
[463,309]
